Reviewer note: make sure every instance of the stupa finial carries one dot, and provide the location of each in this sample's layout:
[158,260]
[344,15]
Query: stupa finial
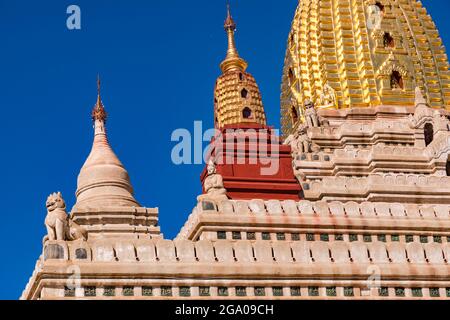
[103,180]
[99,113]
[229,22]
[98,84]
[232,61]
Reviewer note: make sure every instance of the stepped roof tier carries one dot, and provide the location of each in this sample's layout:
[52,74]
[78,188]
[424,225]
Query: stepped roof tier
[348,54]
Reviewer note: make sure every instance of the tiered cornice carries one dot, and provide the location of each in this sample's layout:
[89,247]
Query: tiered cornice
[375,154]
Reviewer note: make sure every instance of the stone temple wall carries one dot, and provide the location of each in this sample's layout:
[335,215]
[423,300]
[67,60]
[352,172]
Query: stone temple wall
[147,269]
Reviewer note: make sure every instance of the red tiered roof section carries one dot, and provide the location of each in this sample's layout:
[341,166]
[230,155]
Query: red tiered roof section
[253,163]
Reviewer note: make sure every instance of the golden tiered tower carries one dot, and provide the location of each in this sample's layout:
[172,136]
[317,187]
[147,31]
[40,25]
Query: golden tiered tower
[237,98]
[362,53]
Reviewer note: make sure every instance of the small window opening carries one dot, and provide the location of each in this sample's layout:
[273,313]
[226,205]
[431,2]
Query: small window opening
[291,76]
[429,133]
[294,115]
[397,80]
[388,40]
[244,93]
[247,113]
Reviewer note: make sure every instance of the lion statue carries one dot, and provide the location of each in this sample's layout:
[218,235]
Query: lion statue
[58,225]
[312,119]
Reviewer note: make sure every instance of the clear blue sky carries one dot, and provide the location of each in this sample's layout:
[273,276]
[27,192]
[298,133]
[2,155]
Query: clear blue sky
[158,60]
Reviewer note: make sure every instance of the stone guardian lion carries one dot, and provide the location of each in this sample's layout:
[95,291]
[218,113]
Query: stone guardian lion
[58,225]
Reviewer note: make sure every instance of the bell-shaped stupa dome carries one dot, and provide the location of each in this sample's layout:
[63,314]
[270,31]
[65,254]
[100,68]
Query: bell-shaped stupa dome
[103,180]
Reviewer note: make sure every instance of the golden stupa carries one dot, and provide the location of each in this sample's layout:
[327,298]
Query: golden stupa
[237,99]
[362,53]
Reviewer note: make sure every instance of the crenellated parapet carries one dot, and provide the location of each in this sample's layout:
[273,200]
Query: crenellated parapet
[376,154]
[430,160]
[316,220]
[381,187]
[358,133]
[182,269]
[358,127]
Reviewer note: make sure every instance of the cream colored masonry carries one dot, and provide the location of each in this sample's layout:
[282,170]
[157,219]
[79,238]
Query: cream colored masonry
[378,125]
[377,159]
[118,221]
[377,154]
[392,187]
[316,218]
[258,267]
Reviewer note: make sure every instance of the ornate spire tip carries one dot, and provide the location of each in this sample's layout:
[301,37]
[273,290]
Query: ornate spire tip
[232,60]
[98,84]
[99,113]
[229,22]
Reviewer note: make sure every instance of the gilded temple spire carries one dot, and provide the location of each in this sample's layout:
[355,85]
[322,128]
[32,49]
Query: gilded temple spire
[237,99]
[232,61]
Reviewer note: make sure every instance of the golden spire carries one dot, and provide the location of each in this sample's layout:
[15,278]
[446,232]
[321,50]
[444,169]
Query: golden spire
[99,113]
[237,99]
[232,61]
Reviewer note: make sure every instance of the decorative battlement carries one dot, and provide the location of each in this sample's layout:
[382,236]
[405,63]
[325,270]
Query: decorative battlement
[358,134]
[381,187]
[357,155]
[196,263]
[224,251]
[372,126]
[290,220]
[370,160]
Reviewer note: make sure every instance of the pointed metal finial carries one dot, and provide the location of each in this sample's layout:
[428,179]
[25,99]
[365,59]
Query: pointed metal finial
[232,61]
[99,113]
[98,84]
[229,22]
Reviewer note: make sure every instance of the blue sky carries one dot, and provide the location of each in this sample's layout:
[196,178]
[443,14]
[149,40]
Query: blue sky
[158,61]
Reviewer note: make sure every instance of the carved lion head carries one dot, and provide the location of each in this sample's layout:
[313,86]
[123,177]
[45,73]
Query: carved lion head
[55,201]
[308,104]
